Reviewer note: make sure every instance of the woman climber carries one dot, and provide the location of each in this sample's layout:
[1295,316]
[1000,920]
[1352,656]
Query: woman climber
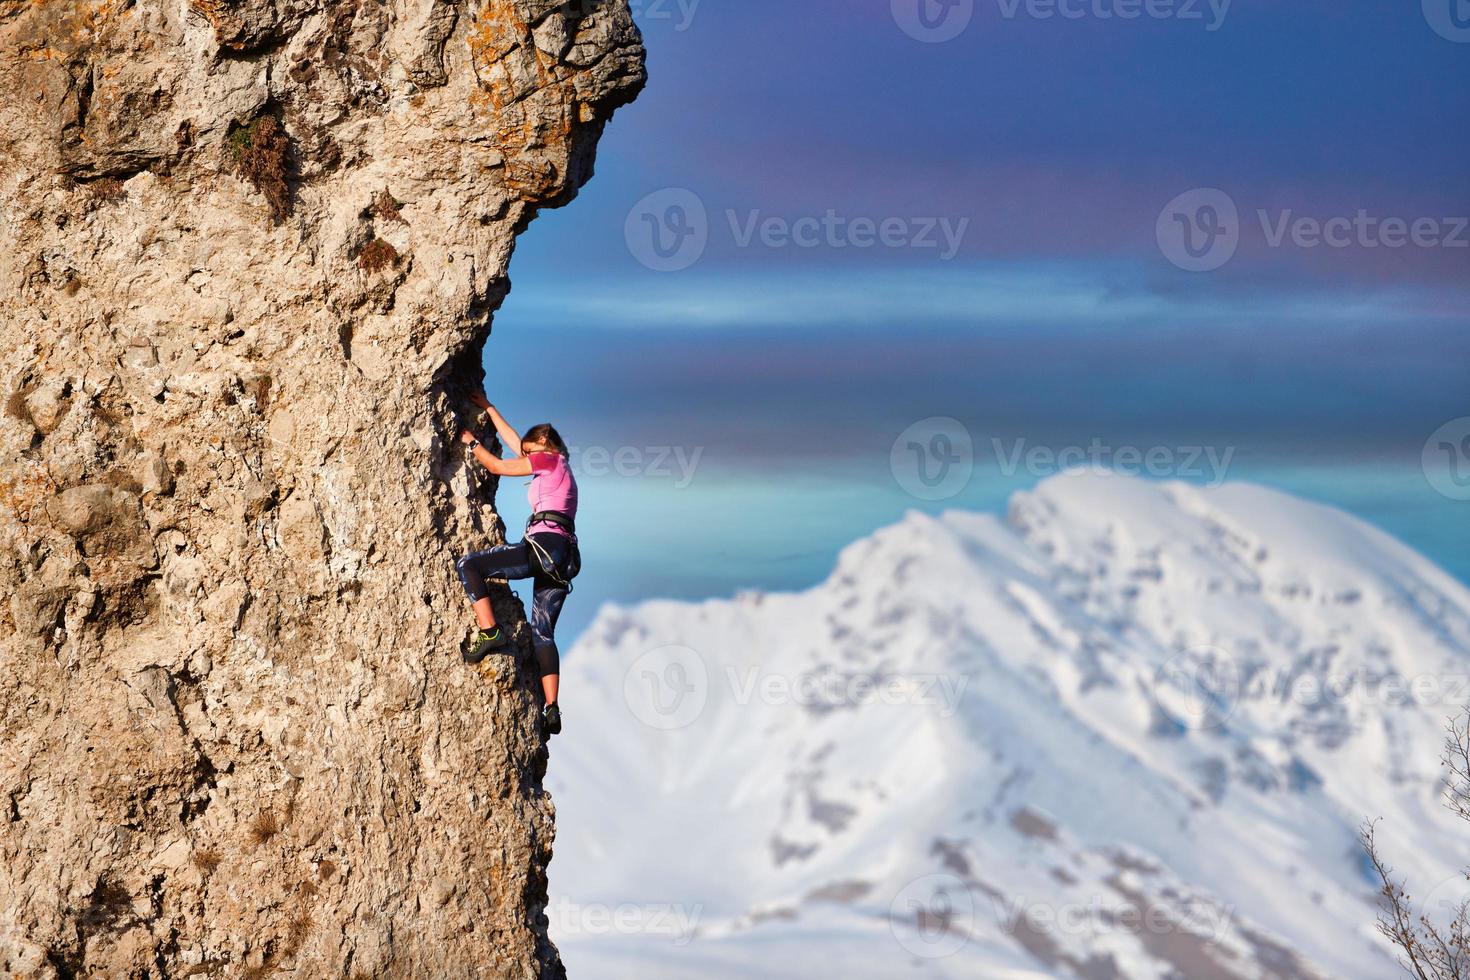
[548,555]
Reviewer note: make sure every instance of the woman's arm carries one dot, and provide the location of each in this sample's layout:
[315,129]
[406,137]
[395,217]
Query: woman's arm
[509,436]
[520,466]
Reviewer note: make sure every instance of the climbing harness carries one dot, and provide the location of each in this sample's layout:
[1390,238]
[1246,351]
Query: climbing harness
[561,572]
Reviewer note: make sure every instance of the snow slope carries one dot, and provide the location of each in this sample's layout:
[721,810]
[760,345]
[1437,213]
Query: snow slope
[1128,731]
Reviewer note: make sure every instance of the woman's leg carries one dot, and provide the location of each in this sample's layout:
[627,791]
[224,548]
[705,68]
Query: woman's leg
[545,610]
[507,561]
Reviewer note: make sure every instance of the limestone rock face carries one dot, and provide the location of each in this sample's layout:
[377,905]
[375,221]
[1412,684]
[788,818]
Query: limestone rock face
[249,254]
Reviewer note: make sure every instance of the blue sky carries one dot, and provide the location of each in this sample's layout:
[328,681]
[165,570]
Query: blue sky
[871,229]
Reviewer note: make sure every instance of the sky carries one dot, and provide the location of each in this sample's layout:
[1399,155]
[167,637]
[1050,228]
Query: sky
[834,236]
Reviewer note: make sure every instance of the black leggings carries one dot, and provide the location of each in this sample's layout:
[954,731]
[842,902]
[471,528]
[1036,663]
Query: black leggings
[511,561]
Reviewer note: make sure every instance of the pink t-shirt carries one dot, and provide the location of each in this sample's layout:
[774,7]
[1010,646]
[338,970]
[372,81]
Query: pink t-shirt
[552,488]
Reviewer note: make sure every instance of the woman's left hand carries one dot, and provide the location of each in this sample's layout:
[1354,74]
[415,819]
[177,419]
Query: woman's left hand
[467,437]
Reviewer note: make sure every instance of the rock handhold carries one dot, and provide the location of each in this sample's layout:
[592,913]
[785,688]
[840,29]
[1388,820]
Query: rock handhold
[106,522]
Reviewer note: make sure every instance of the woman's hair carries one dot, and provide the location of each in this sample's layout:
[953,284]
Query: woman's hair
[546,432]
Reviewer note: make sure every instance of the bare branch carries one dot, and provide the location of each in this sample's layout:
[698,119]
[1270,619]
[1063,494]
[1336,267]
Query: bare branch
[1456,759]
[1428,950]
[1395,921]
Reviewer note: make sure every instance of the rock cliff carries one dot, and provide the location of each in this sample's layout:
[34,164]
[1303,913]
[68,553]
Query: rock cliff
[249,255]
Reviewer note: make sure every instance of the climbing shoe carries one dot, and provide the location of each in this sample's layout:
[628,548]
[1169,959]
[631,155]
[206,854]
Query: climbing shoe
[485,643]
[551,719]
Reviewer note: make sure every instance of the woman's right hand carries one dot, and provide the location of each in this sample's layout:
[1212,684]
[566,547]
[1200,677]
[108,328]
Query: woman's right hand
[479,400]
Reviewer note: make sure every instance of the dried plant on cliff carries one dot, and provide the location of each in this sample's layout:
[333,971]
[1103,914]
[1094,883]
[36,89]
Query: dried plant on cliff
[1429,949]
[106,191]
[298,928]
[385,206]
[259,151]
[265,826]
[377,255]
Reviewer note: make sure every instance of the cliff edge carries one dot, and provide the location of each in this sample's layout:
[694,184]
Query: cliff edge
[249,255]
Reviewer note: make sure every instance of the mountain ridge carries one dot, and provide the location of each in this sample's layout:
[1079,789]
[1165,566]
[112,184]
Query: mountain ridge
[1109,723]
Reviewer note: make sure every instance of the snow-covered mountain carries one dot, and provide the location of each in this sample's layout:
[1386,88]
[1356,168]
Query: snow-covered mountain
[1127,731]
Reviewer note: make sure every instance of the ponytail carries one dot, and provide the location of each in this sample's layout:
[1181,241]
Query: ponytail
[546,432]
